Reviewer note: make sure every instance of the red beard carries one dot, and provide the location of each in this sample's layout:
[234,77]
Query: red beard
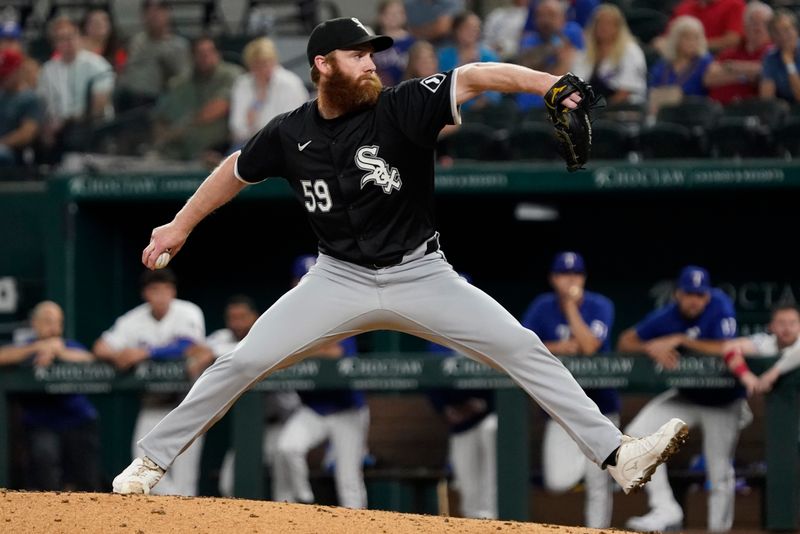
[346,94]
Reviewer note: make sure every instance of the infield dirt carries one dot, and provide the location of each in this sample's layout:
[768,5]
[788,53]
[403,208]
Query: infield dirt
[29,512]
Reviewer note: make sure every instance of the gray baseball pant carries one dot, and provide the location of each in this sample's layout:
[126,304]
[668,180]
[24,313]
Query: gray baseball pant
[422,296]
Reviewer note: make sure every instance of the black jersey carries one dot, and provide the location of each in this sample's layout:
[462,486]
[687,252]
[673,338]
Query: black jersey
[366,178]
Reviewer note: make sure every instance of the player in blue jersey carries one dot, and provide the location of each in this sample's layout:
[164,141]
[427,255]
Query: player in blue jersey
[571,321]
[341,416]
[61,432]
[700,319]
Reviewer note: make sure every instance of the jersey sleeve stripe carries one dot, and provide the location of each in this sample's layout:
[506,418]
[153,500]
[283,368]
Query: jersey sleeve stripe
[455,109]
[239,176]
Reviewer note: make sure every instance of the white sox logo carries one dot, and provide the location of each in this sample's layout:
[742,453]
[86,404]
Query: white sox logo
[379,172]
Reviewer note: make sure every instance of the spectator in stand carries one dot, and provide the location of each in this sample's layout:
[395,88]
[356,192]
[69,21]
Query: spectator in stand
[551,45]
[680,71]
[700,320]
[100,37]
[265,91]
[736,72]
[467,48]
[577,11]
[20,110]
[163,328]
[422,61]
[155,56]
[432,20]
[11,39]
[574,322]
[613,62]
[780,76]
[722,21]
[75,85]
[192,118]
[391,63]
[61,430]
[503,29]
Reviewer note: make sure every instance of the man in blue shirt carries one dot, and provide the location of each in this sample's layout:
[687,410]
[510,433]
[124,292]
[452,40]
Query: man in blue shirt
[61,430]
[571,321]
[339,416]
[779,76]
[700,319]
[549,43]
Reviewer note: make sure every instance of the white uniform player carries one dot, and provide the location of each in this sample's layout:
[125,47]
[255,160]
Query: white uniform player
[342,417]
[240,314]
[162,328]
[472,422]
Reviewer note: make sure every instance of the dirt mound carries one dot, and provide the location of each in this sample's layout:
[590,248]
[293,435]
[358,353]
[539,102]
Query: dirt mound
[23,512]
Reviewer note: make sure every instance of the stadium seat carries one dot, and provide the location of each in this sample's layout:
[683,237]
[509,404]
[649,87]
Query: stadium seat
[743,137]
[768,112]
[667,140]
[532,141]
[646,23]
[694,112]
[610,140]
[651,55]
[533,115]
[697,113]
[500,116]
[664,6]
[624,113]
[787,138]
[295,17]
[475,142]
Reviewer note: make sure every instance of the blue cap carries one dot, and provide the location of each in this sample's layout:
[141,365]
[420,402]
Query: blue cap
[568,262]
[303,264]
[10,30]
[694,279]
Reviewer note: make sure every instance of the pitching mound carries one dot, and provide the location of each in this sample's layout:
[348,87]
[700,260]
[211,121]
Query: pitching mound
[23,512]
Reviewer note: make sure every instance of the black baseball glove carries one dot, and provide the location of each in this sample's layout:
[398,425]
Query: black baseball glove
[573,126]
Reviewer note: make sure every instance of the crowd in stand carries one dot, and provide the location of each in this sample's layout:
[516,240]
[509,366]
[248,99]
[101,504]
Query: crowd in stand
[157,93]
[62,445]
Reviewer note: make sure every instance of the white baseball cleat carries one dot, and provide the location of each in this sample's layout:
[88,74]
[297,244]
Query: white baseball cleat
[638,458]
[139,477]
[661,519]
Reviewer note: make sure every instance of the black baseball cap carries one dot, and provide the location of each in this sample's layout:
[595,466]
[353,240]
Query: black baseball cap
[341,34]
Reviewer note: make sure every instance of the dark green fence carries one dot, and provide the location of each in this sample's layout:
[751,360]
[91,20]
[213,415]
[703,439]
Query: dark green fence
[414,372]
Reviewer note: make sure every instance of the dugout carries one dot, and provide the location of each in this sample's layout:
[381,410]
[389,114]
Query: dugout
[635,224]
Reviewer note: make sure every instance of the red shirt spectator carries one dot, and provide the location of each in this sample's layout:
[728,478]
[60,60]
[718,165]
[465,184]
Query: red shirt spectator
[722,20]
[746,88]
[736,72]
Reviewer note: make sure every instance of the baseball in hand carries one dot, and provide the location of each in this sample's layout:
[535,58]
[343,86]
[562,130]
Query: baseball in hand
[575,292]
[162,260]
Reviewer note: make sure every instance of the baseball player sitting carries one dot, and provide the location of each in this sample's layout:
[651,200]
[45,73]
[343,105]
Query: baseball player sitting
[571,322]
[339,416]
[700,319]
[360,160]
[162,328]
